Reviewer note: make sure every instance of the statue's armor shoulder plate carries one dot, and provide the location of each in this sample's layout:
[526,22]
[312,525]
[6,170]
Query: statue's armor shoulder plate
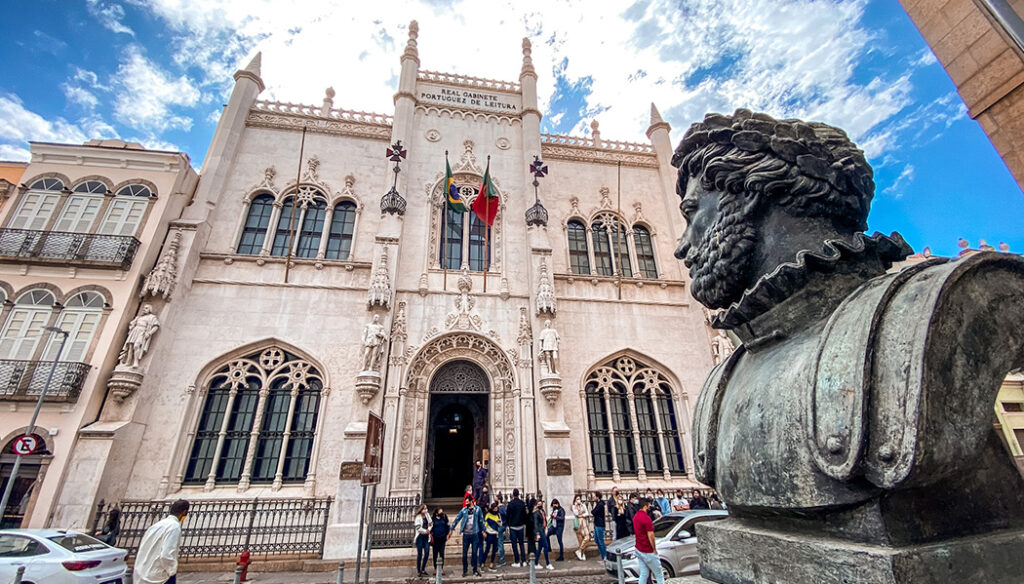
[706,418]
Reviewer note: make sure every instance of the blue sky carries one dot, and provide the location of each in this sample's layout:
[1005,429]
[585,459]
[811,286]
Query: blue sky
[158,72]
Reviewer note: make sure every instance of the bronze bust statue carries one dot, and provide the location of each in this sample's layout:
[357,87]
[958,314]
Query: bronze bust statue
[851,431]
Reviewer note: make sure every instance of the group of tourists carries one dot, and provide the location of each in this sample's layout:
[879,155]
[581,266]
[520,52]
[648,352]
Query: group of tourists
[529,525]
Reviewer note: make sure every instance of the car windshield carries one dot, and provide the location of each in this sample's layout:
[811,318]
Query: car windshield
[663,526]
[78,543]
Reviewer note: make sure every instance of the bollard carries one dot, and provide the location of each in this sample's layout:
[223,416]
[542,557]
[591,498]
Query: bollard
[439,571]
[238,574]
[18,575]
[533,570]
[618,567]
[341,572]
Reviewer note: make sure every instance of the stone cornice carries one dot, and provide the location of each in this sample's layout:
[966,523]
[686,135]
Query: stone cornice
[102,156]
[585,154]
[470,82]
[251,76]
[288,116]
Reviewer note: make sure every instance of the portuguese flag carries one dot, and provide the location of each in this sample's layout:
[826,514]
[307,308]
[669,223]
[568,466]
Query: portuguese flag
[454,200]
[486,204]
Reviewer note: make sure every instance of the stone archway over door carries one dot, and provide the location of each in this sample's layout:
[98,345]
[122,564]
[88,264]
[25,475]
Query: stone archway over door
[505,427]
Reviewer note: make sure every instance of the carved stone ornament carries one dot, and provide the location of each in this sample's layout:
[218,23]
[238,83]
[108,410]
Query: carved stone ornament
[467,162]
[432,135]
[721,347]
[463,318]
[545,291]
[367,385]
[851,432]
[551,387]
[398,327]
[123,383]
[525,336]
[164,275]
[380,288]
[374,341]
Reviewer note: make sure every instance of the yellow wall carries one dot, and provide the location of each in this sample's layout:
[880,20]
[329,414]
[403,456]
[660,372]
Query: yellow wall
[12,171]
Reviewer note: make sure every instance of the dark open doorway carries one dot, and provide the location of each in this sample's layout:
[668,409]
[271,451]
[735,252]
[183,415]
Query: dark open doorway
[458,432]
[453,451]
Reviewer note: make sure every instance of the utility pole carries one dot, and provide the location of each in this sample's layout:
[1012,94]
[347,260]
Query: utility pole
[32,423]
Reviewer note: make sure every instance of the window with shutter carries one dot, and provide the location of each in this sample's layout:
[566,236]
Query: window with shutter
[25,324]
[80,318]
[126,211]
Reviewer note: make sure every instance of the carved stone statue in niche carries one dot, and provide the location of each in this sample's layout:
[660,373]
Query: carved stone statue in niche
[140,331]
[851,431]
[374,338]
[548,340]
[721,347]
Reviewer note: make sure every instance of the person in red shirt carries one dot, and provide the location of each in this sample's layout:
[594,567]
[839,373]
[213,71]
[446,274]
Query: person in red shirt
[646,552]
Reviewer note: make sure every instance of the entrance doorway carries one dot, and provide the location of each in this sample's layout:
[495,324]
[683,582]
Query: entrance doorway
[25,485]
[458,432]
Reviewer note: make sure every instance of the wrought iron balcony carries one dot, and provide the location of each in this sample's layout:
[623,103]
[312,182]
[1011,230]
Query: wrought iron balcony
[60,247]
[25,380]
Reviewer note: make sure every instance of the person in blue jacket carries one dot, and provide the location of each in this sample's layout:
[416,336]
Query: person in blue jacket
[472,520]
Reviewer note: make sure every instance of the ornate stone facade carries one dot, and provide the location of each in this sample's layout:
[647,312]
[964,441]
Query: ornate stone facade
[240,290]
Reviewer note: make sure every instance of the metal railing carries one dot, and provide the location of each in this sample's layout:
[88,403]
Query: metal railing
[114,251]
[25,380]
[294,527]
[393,521]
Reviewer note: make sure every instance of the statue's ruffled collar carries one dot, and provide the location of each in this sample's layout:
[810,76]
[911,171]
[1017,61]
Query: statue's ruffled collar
[864,255]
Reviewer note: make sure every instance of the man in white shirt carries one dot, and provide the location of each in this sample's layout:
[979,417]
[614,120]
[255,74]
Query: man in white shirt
[157,559]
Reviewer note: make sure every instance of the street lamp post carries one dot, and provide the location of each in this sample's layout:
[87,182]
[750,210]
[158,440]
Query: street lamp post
[32,423]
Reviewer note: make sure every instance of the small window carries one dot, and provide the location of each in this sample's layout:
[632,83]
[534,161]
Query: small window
[1013,407]
[18,546]
[85,300]
[339,239]
[644,252]
[47,184]
[91,186]
[256,223]
[135,191]
[579,256]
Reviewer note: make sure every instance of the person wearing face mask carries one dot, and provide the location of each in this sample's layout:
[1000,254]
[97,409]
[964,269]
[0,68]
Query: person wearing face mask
[631,508]
[556,527]
[439,535]
[422,525]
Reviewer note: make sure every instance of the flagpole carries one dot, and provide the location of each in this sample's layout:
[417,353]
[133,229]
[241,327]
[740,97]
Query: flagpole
[444,227]
[295,199]
[487,226]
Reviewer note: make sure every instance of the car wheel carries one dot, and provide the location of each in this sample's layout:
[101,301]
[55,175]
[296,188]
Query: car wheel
[666,569]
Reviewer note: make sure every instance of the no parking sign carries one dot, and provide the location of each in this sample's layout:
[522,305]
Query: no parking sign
[25,444]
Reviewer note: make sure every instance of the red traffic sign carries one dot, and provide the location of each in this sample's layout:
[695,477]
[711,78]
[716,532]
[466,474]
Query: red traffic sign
[373,451]
[25,444]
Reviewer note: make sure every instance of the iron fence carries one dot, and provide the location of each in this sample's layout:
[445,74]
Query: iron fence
[25,380]
[609,533]
[393,521]
[227,528]
[116,251]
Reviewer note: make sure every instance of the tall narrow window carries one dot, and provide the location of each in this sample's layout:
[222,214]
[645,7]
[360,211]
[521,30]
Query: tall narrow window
[660,446]
[24,326]
[283,444]
[312,230]
[644,252]
[283,235]
[37,205]
[451,240]
[579,256]
[80,318]
[479,244]
[602,250]
[620,246]
[339,240]
[256,223]
[82,207]
[600,438]
[126,211]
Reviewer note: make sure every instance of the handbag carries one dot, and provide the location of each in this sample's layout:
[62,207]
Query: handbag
[575,523]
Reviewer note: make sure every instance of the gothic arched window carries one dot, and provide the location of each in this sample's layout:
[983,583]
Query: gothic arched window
[339,239]
[644,252]
[312,230]
[602,250]
[37,204]
[579,255]
[126,210]
[304,231]
[273,391]
[466,241]
[256,223]
[618,392]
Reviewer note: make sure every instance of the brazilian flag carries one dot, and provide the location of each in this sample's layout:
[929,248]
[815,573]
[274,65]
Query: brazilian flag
[455,202]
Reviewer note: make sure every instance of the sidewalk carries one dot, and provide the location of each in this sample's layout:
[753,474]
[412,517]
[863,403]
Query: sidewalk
[404,575]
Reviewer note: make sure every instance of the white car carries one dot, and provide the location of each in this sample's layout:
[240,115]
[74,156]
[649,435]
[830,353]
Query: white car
[58,556]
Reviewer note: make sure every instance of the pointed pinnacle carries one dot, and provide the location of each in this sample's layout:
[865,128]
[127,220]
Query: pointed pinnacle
[254,65]
[655,115]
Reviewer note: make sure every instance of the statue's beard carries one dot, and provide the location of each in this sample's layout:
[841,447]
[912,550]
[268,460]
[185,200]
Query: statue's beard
[720,264]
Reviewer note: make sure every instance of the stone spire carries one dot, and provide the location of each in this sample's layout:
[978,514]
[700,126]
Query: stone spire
[527,59]
[410,47]
[545,292]
[657,122]
[252,71]
[380,289]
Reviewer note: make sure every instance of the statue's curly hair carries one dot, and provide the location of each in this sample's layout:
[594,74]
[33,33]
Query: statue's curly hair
[811,169]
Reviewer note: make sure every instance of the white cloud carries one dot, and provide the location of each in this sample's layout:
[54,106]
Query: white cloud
[14,153]
[82,97]
[19,125]
[109,15]
[787,57]
[147,95]
[901,182]
[86,76]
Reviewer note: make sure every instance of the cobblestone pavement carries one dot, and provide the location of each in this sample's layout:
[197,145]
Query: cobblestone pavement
[507,577]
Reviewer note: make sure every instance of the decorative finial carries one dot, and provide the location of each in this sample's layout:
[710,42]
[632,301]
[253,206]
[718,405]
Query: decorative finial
[595,132]
[410,47]
[252,71]
[392,202]
[527,59]
[655,115]
[328,101]
[1003,246]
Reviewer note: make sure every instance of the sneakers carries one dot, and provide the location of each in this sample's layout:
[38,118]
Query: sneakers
[579,556]
[477,573]
[550,567]
[515,565]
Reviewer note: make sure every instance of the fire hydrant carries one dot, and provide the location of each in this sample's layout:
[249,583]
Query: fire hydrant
[244,560]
